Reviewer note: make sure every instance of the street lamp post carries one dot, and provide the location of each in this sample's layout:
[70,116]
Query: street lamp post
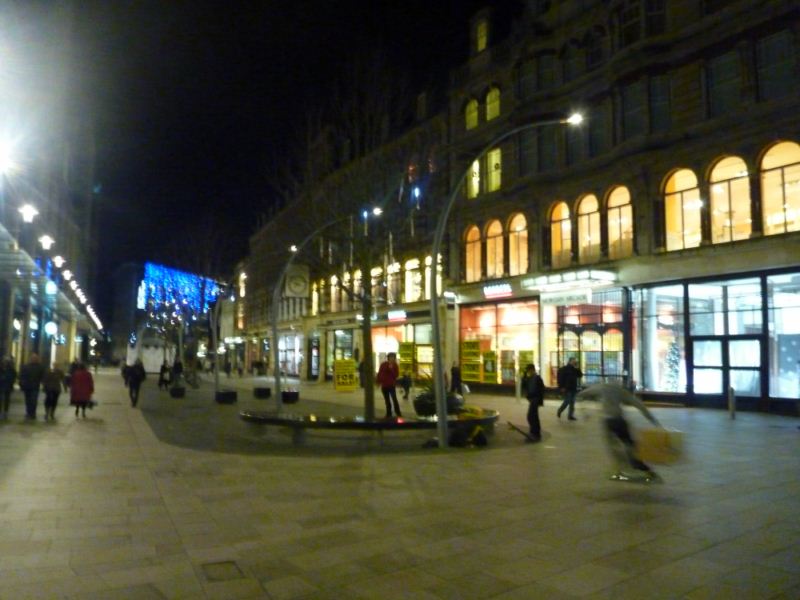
[438,362]
[276,298]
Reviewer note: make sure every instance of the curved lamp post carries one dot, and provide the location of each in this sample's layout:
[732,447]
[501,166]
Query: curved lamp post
[438,363]
[277,292]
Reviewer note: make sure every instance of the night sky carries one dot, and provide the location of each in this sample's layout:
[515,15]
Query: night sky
[194,100]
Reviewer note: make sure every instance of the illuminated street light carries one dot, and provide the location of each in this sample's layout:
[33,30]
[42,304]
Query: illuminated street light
[46,241]
[59,261]
[67,274]
[28,212]
[293,248]
[440,393]
[574,119]
[377,211]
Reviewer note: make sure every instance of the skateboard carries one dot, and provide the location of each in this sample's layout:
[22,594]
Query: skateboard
[636,478]
[522,431]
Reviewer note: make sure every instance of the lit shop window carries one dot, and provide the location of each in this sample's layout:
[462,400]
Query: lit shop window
[730,201]
[494,250]
[620,223]
[518,245]
[682,206]
[494,170]
[560,236]
[492,104]
[780,188]
[473,254]
[474,181]
[589,229]
[471,114]
[413,287]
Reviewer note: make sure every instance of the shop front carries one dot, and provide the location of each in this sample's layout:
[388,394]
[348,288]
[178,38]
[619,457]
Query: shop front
[410,336]
[290,353]
[701,339]
[544,321]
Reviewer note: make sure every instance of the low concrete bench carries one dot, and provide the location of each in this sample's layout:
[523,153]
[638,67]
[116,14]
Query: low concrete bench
[300,423]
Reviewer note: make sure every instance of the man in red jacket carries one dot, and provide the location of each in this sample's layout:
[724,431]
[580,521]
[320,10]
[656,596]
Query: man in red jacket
[387,378]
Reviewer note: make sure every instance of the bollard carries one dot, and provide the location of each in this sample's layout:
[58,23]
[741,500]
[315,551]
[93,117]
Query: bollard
[732,402]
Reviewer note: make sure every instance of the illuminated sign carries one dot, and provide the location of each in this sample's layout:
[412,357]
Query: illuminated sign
[396,315]
[567,297]
[497,290]
[570,280]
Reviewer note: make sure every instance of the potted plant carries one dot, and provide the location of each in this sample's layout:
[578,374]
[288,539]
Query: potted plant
[425,401]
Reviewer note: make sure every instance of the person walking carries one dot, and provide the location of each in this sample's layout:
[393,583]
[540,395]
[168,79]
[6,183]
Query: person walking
[136,376]
[8,375]
[30,380]
[52,382]
[455,378]
[568,377]
[533,387]
[177,372]
[81,389]
[612,398]
[387,376]
[163,376]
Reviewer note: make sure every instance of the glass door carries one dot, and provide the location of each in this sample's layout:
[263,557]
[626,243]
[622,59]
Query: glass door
[721,362]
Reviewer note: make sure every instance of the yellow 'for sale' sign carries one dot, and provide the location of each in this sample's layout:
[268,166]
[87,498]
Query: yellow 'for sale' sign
[344,375]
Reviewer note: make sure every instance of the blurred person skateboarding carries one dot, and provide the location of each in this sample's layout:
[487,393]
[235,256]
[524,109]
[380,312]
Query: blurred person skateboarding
[612,398]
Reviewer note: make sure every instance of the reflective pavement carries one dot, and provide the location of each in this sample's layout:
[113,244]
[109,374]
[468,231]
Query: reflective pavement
[181,499]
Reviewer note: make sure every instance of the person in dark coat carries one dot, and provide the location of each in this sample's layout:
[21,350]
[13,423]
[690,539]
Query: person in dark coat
[136,376]
[53,382]
[8,375]
[30,380]
[177,372]
[163,376]
[568,377]
[125,372]
[455,378]
[81,390]
[533,388]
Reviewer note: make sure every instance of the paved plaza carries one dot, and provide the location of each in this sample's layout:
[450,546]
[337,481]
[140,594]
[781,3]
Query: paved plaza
[181,499]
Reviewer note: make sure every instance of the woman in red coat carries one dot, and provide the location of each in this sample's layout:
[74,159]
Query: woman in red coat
[81,389]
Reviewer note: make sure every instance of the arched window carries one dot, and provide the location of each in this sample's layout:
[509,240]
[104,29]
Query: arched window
[473,254]
[560,236]
[730,201]
[474,180]
[780,188]
[492,104]
[471,114]
[682,210]
[620,223]
[413,281]
[494,250]
[518,245]
[334,306]
[588,230]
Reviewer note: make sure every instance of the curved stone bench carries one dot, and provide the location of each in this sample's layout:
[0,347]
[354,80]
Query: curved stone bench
[300,423]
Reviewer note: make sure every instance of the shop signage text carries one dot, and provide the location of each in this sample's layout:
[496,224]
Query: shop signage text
[567,297]
[497,290]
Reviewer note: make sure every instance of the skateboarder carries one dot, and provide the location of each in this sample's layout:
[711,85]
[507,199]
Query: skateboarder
[613,397]
[533,387]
